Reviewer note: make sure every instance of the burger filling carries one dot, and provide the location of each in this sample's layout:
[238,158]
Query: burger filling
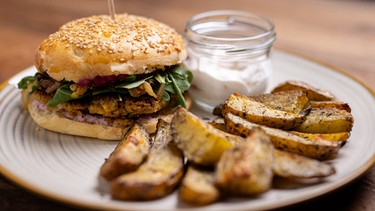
[91,100]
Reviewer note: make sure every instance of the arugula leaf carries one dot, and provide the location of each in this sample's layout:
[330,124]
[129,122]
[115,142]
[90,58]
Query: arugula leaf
[130,78]
[166,96]
[63,94]
[180,70]
[103,90]
[179,83]
[24,81]
[176,81]
[33,88]
[133,84]
[159,78]
[180,97]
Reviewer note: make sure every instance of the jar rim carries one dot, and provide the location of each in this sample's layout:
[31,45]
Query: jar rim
[231,16]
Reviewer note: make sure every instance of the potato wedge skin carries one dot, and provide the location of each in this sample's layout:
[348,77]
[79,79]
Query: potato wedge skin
[318,149]
[314,94]
[326,120]
[246,169]
[261,114]
[331,104]
[198,186]
[201,142]
[290,165]
[219,123]
[158,176]
[128,154]
[341,138]
[293,101]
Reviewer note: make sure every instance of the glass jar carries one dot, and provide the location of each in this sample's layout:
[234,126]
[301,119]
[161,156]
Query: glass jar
[228,52]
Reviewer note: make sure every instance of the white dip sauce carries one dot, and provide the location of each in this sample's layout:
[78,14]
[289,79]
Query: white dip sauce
[228,52]
[214,81]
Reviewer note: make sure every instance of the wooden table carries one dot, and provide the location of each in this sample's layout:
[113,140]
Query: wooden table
[338,33]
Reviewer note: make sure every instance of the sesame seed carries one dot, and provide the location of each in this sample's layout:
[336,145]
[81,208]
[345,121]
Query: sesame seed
[125,38]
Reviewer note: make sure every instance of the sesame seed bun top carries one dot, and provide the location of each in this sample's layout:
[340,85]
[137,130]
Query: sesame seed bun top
[98,45]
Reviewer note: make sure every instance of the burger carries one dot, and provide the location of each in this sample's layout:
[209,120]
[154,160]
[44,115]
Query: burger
[97,76]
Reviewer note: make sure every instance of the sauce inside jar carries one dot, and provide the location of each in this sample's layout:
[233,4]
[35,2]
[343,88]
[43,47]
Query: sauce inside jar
[228,52]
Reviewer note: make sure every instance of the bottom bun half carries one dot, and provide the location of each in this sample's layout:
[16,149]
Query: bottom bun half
[52,120]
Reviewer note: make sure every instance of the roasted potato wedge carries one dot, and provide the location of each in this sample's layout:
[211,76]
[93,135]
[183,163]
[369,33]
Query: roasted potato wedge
[293,101]
[331,104]
[336,137]
[217,111]
[319,149]
[246,169]
[128,154]
[259,113]
[149,122]
[158,175]
[314,94]
[326,120]
[198,186]
[201,142]
[219,124]
[291,165]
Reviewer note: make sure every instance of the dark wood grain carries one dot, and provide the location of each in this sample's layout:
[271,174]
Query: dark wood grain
[338,33]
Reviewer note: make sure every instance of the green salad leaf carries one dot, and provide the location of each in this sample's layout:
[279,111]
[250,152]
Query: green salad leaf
[26,80]
[175,81]
[179,80]
[133,84]
[63,94]
[23,84]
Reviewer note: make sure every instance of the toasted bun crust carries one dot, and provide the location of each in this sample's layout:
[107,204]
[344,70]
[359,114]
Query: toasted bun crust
[100,46]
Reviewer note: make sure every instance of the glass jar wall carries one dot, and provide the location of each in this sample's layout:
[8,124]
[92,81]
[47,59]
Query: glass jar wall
[228,52]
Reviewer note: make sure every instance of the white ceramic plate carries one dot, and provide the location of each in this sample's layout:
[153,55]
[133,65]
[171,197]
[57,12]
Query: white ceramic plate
[65,168]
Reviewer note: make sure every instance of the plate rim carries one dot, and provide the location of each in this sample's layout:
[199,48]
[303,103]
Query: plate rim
[346,180]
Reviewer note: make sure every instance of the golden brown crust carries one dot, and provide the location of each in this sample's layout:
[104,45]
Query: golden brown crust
[98,45]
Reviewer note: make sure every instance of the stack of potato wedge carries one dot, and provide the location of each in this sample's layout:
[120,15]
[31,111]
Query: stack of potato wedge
[157,172]
[288,133]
